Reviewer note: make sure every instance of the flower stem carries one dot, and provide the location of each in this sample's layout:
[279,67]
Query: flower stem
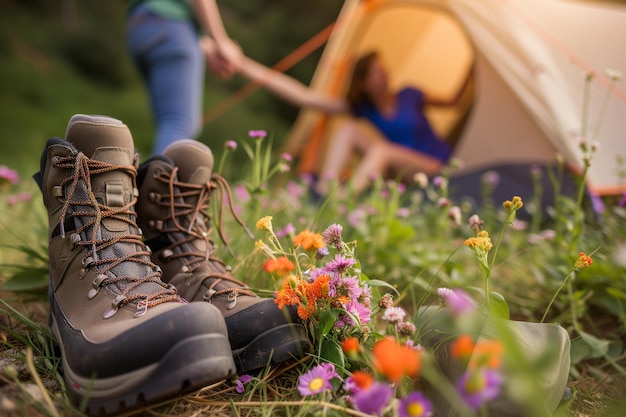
[556,294]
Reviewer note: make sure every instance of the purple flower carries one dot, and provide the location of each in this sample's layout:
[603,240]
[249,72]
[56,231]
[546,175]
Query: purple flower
[359,310]
[322,253]
[257,134]
[317,379]
[332,235]
[243,379]
[491,178]
[287,230]
[339,265]
[457,300]
[394,315]
[374,399]
[287,157]
[479,386]
[414,405]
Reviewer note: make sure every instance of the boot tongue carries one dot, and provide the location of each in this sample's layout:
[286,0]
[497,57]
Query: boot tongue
[102,138]
[194,161]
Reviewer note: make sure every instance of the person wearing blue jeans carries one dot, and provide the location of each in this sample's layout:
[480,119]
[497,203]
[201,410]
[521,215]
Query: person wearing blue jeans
[169,41]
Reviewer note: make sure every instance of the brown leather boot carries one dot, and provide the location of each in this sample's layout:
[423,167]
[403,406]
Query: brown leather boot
[175,192]
[126,338]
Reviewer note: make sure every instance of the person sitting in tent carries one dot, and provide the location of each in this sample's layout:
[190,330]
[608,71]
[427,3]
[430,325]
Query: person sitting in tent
[411,144]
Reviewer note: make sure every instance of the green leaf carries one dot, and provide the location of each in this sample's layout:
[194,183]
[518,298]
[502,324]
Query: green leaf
[499,307]
[327,321]
[597,347]
[579,351]
[331,352]
[27,280]
[381,283]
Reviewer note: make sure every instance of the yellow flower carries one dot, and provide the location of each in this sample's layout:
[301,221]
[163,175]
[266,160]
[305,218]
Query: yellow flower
[513,205]
[482,241]
[265,223]
[583,261]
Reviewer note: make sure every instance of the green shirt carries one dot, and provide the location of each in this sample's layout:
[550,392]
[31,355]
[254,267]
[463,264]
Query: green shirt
[173,9]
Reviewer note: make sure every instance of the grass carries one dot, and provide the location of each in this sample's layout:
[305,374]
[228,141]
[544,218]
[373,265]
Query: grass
[407,241]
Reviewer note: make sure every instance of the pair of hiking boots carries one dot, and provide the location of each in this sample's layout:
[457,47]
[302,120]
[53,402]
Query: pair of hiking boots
[130,254]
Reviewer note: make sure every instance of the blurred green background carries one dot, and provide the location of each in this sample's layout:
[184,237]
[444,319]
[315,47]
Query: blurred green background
[61,57]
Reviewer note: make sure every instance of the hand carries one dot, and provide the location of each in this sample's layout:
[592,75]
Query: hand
[215,61]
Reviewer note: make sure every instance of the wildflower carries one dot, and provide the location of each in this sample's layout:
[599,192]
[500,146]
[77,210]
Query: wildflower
[479,386]
[514,204]
[517,224]
[374,399]
[491,179]
[260,246]
[308,240]
[243,379]
[339,265]
[23,197]
[454,214]
[406,328]
[487,354]
[440,182]
[421,179]
[332,235]
[259,134]
[265,223]
[476,223]
[322,253]
[462,347]
[385,301]
[457,300]
[358,381]
[287,157]
[350,346]
[395,360]
[231,145]
[283,167]
[356,218]
[414,405]
[241,193]
[287,230]
[394,315]
[482,242]
[7,175]
[317,379]
[443,202]
[281,266]
[359,311]
[583,261]
[286,296]
[403,213]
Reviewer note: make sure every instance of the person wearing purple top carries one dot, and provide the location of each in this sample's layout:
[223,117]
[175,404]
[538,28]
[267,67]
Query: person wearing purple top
[411,146]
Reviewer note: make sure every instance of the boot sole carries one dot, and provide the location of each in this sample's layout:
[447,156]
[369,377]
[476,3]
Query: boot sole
[279,344]
[191,364]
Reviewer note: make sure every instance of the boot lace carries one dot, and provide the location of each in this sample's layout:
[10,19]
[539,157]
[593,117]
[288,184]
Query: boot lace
[99,249]
[188,206]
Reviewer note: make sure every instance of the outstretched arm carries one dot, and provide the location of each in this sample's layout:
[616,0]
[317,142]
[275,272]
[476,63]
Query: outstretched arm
[290,89]
[208,15]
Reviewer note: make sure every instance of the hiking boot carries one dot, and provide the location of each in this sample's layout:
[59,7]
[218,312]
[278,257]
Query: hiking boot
[126,338]
[172,210]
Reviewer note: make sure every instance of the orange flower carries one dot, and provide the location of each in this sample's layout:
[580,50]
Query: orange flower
[286,296]
[462,347]
[350,346]
[362,379]
[309,240]
[583,261]
[487,353]
[281,266]
[395,360]
[303,312]
[319,287]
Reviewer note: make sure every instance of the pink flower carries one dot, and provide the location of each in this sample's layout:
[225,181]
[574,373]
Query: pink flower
[457,301]
[257,134]
[478,386]
[8,175]
[231,145]
[243,379]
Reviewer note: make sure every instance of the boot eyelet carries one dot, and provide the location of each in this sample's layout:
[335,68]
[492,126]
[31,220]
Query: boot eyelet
[96,286]
[73,240]
[208,296]
[142,308]
[115,305]
[232,301]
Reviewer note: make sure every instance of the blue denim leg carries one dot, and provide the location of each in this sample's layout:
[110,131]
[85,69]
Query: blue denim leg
[168,56]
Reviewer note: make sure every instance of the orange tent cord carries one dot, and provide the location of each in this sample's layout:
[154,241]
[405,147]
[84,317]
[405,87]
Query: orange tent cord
[284,64]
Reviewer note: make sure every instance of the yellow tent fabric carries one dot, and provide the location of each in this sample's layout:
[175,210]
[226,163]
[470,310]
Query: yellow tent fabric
[527,59]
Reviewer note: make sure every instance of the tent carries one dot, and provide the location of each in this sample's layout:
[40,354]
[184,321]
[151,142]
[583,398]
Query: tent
[543,78]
